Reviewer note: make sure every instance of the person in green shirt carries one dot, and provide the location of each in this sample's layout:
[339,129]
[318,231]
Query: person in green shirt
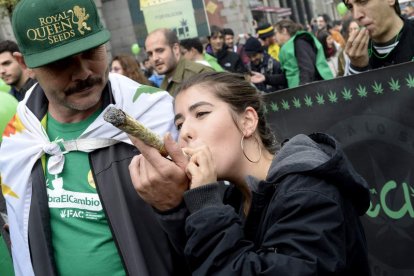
[192,49]
[301,54]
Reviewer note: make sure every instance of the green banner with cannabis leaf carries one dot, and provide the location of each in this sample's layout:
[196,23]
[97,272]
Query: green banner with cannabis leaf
[372,115]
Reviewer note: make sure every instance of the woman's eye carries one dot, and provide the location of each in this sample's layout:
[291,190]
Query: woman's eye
[178,126]
[201,114]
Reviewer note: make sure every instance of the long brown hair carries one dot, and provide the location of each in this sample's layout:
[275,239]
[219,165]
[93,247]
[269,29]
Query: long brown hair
[131,69]
[291,27]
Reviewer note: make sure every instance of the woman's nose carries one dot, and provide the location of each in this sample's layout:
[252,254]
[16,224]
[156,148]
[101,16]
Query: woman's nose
[185,133]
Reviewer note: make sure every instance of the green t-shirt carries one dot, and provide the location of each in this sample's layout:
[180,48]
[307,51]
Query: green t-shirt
[81,238]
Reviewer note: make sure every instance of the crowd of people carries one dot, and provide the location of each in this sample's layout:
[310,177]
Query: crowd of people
[318,51]
[85,198]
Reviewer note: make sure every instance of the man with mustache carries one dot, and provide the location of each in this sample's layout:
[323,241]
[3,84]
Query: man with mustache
[163,50]
[384,38]
[64,170]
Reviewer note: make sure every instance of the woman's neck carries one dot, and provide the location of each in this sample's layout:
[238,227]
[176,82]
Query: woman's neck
[258,170]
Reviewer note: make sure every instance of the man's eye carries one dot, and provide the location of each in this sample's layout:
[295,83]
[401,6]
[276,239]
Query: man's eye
[349,6]
[62,63]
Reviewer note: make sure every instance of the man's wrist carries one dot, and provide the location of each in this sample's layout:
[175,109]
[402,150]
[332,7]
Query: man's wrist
[355,69]
[169,209]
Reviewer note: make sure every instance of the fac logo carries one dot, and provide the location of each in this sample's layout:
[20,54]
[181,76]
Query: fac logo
[69,213]
[63,214]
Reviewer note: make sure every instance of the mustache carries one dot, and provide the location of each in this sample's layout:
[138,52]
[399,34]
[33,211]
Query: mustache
[84,84]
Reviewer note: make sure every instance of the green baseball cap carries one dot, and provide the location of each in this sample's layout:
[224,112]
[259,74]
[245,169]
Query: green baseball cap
[50,30]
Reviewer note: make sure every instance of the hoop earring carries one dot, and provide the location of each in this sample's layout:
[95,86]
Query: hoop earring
[258,146]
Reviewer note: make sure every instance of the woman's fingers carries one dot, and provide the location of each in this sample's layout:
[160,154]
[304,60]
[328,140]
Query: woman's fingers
[201,168]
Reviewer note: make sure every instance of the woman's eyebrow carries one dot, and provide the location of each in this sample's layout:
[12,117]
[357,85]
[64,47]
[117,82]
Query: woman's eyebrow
[194,106]
[191,108]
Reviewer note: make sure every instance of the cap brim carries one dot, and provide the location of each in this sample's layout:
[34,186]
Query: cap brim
[72,48]
[264,36]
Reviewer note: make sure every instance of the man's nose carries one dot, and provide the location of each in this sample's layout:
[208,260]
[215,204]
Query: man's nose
[357,12]
[80,67]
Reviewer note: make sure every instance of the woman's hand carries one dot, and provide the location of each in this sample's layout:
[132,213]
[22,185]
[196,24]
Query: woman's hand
[201,168]
[159,181]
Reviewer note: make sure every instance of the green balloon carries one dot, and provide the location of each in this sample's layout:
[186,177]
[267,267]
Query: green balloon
[342,9]
[135,49]
[4,87]
[8,105]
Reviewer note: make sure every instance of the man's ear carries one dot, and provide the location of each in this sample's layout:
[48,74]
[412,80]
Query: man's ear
[176,51]
[249,121]
[194,52]
[20,59]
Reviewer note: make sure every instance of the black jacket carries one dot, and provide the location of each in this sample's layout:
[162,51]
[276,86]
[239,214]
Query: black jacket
[403,52]
[141,243]
[271,69]
[304,218]
[230,61]
[19,94]
[305,52]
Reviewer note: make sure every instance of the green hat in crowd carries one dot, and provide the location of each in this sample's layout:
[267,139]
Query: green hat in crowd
[50,30]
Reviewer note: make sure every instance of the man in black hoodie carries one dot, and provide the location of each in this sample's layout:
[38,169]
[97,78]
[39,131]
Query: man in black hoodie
[230,61]
[384,39]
